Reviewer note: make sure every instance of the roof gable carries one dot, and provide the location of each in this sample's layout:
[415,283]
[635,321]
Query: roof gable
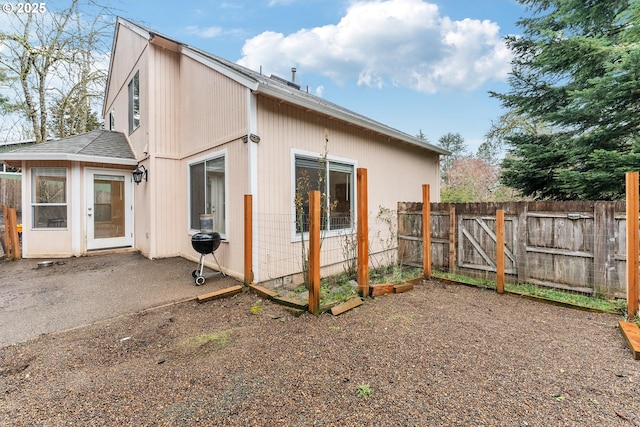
[261,84]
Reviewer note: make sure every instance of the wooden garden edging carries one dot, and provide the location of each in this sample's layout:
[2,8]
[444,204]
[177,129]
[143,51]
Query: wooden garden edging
[631,332]
[221,293]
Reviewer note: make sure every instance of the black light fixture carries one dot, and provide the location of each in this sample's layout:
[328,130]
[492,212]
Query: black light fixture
[139,173]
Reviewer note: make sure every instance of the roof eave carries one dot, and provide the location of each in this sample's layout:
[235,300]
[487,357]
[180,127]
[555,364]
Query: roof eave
[360,121]
[12,157]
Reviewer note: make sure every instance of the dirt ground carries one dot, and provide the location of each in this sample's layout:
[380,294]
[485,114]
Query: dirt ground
[439,355]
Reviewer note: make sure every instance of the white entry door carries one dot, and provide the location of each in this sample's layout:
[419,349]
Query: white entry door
[109,215]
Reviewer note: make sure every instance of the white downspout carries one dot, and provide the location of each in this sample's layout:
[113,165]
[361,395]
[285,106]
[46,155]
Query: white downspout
[78,207]
[252,166]
[26,207]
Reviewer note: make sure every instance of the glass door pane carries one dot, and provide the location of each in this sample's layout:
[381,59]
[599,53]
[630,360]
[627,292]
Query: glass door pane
[109,212]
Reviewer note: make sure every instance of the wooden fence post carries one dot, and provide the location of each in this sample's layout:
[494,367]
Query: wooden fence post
[363,232]
[314,252]
[452,239]
[7,242]
[632,243]
[426,230]
[12,240]
[500,251]
[248,239]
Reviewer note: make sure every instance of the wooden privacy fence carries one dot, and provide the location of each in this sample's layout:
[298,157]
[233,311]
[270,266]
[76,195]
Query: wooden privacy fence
[576,246]
[11,190]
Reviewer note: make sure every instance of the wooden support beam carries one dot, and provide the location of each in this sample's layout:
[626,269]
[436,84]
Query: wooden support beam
[363,232]
[500,251]
[426,230]
[632,243]
[248,239]
[221,293]
[314,252]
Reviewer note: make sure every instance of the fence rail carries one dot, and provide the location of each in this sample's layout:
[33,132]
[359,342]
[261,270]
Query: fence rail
[576,246]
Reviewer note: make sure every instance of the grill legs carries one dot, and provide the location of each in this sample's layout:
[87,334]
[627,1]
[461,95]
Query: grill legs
[198,275]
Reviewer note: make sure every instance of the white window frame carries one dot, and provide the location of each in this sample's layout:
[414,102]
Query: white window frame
[208,157]
[297,153]
[34,204]
[134,123]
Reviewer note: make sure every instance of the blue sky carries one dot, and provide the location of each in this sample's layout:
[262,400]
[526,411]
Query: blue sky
[411,64]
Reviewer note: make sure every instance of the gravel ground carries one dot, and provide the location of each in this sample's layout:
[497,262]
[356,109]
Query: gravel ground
[439,355]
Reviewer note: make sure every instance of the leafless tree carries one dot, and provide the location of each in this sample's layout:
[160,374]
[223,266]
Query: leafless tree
[52,59]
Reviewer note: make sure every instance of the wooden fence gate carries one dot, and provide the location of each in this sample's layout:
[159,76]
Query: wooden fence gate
[576,246]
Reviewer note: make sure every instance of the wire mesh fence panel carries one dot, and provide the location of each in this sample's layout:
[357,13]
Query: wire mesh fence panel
[279,254]
[282,247]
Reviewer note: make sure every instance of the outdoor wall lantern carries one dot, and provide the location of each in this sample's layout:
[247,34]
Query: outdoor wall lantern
[139,173]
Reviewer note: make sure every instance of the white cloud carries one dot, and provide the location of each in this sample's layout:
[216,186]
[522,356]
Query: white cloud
[205,33]
[403,43]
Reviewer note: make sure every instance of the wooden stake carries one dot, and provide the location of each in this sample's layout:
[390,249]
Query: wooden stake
[314,252]
[363,232]
[248,239]
[632,243]
[13,234]
[500,251]
[426,230]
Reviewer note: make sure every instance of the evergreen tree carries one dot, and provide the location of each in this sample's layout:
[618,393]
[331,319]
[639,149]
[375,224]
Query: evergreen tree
[455,144]
[575,70]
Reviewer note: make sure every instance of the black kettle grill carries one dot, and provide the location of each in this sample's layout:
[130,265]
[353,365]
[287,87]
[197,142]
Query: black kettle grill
[205,243]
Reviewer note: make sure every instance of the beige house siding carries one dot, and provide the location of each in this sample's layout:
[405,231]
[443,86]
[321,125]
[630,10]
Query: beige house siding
[193,112]
[130,57]
[164,102]
[213,108]
[395,172]
[130,48]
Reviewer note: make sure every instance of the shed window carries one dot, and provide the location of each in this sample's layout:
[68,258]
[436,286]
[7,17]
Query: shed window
[207,193]
[134,102]
[335,179]
[49,197]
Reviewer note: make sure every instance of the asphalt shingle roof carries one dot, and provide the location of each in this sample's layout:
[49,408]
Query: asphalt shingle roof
[97,143]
